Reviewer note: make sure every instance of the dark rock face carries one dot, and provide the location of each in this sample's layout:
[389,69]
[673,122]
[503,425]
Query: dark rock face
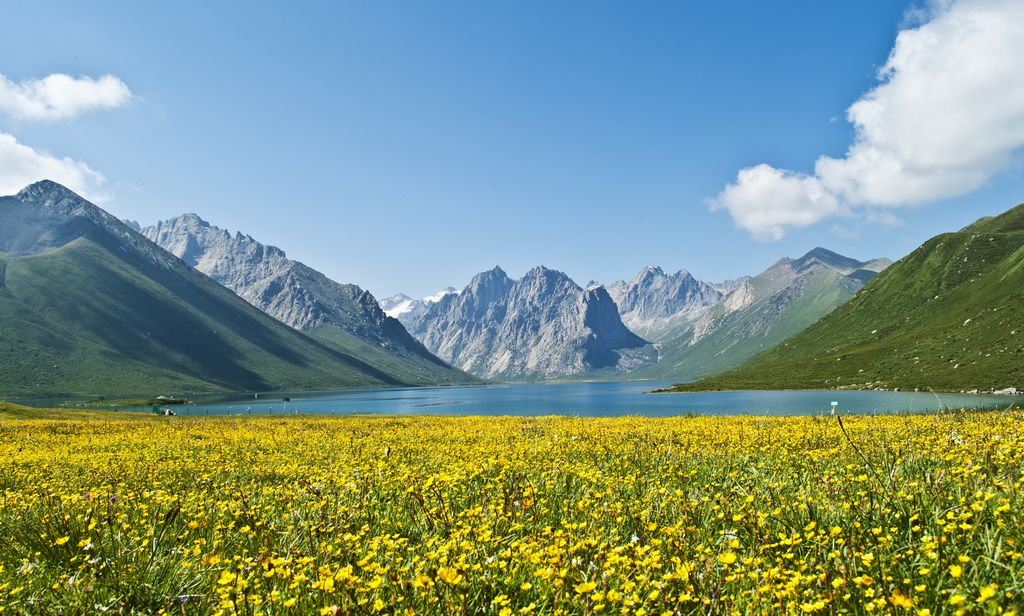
[541,326]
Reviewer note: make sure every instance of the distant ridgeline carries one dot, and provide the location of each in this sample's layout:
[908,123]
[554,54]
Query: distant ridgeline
[710,334]
[91,305]
[545,326]
[949,316]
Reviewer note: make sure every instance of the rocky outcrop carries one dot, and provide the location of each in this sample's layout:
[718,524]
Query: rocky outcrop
[46,215]
[541,326]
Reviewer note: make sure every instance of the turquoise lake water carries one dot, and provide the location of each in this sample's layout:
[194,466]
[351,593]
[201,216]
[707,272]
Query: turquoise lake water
[582,399]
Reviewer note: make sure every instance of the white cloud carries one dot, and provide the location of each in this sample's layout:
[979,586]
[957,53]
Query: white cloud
[21,165]
[59,96]
[765,201]
[947,115]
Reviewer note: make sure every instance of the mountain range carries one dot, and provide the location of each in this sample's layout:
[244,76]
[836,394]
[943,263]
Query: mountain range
[89,305]
[758,313]
[682,327]
[950,315]
[541,326]
[342,316]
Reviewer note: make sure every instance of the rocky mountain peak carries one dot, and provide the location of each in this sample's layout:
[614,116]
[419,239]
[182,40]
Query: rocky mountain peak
[541,278]
[601,317]
[787,283]
[654,303]
[190,219]
[827,258]
[649,272]
[540,326]
[436,297]
[409,310]
[59,202]
[46,215]
[47,191]
[494,281]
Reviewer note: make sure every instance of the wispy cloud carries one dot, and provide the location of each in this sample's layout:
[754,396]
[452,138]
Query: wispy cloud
[21,165]
[59,96]
[947,115]
[54,97]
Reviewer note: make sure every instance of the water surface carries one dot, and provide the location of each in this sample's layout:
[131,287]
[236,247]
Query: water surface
[581,399]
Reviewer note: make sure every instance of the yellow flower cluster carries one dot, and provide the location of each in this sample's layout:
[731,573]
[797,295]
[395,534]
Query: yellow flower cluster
[509,515]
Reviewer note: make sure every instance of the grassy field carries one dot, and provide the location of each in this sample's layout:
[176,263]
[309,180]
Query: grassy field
[18,412]
[305,515]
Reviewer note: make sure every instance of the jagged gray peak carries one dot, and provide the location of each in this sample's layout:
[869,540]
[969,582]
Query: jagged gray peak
[653,300]
[541,326]
[287,290]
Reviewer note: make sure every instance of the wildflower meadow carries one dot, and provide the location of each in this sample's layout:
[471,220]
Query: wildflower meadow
[916,514]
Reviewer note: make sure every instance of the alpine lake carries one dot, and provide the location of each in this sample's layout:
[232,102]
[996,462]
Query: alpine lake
[591,399]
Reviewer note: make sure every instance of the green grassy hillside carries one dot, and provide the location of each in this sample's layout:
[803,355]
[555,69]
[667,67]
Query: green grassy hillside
[89,307]
[406,364]
[85,319]
[948,316]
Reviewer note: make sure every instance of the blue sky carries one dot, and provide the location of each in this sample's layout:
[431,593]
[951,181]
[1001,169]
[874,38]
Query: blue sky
[406,146]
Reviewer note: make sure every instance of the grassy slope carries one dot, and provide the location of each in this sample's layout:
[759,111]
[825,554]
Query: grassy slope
[909,326]
[17,411]
[410,367]
[91,318]
[733,343]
